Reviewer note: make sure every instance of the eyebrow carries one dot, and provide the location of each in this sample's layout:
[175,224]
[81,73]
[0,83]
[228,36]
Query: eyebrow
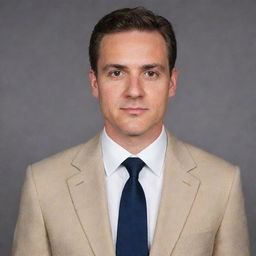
[117,66]
[152,66]
[143,67]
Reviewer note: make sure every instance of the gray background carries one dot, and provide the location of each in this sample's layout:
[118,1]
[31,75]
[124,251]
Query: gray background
[45,101]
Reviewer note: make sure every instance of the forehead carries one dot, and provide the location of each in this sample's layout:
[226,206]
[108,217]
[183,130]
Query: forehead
[133,47]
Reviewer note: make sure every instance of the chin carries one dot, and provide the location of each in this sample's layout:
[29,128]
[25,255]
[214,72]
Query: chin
[134,130]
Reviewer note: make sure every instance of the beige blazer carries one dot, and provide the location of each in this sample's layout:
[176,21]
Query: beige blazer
[64,211]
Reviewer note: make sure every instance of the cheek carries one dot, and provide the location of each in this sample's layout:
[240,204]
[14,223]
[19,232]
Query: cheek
[159,99]
[109,90]
[108,100]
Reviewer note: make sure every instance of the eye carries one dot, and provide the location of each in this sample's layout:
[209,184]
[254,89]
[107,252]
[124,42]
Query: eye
[115,73]
[151,74]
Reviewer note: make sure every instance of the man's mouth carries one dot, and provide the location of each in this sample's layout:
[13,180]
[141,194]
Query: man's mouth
[134,110]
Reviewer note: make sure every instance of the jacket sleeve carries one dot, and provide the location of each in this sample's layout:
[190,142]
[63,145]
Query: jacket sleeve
[232,237]
[30,236]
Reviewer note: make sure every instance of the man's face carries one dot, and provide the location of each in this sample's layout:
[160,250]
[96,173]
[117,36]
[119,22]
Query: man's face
[133,82]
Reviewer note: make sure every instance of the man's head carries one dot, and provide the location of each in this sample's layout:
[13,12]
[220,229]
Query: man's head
[129,19]
[132,72]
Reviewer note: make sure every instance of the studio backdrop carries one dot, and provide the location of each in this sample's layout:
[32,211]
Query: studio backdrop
[46,104]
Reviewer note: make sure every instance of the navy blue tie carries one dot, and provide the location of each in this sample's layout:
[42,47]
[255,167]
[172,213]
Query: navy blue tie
[132,235]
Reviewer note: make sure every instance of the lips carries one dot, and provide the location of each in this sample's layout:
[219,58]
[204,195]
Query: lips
[134,110]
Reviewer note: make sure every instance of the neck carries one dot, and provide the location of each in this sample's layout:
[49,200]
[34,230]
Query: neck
[134,143]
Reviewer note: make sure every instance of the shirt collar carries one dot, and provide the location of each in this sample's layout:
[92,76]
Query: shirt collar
[153,155]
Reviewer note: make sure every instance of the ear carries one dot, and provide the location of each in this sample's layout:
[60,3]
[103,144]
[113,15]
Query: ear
[173,82]
[93,84]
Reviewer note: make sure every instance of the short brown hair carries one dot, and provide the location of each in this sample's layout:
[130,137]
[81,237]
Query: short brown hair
[127,19]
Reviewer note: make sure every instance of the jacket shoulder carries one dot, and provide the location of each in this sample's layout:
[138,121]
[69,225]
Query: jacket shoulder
[60,158]
[62,161]
[210,166]
[203,157]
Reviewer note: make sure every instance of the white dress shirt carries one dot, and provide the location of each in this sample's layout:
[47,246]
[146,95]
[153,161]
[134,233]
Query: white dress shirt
[150,178]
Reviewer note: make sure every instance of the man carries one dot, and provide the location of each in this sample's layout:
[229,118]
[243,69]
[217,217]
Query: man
[133,190]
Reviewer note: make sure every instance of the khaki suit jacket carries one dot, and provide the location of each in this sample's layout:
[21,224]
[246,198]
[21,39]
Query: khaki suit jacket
[64,210]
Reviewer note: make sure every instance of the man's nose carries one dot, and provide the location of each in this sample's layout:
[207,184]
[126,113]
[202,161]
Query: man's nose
[134,87]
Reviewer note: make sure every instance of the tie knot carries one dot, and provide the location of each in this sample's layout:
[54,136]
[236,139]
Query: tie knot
[133,166]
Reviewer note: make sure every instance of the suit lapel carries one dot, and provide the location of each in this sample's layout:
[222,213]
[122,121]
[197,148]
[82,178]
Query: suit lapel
[87,190]
[178,194]
[88,194]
